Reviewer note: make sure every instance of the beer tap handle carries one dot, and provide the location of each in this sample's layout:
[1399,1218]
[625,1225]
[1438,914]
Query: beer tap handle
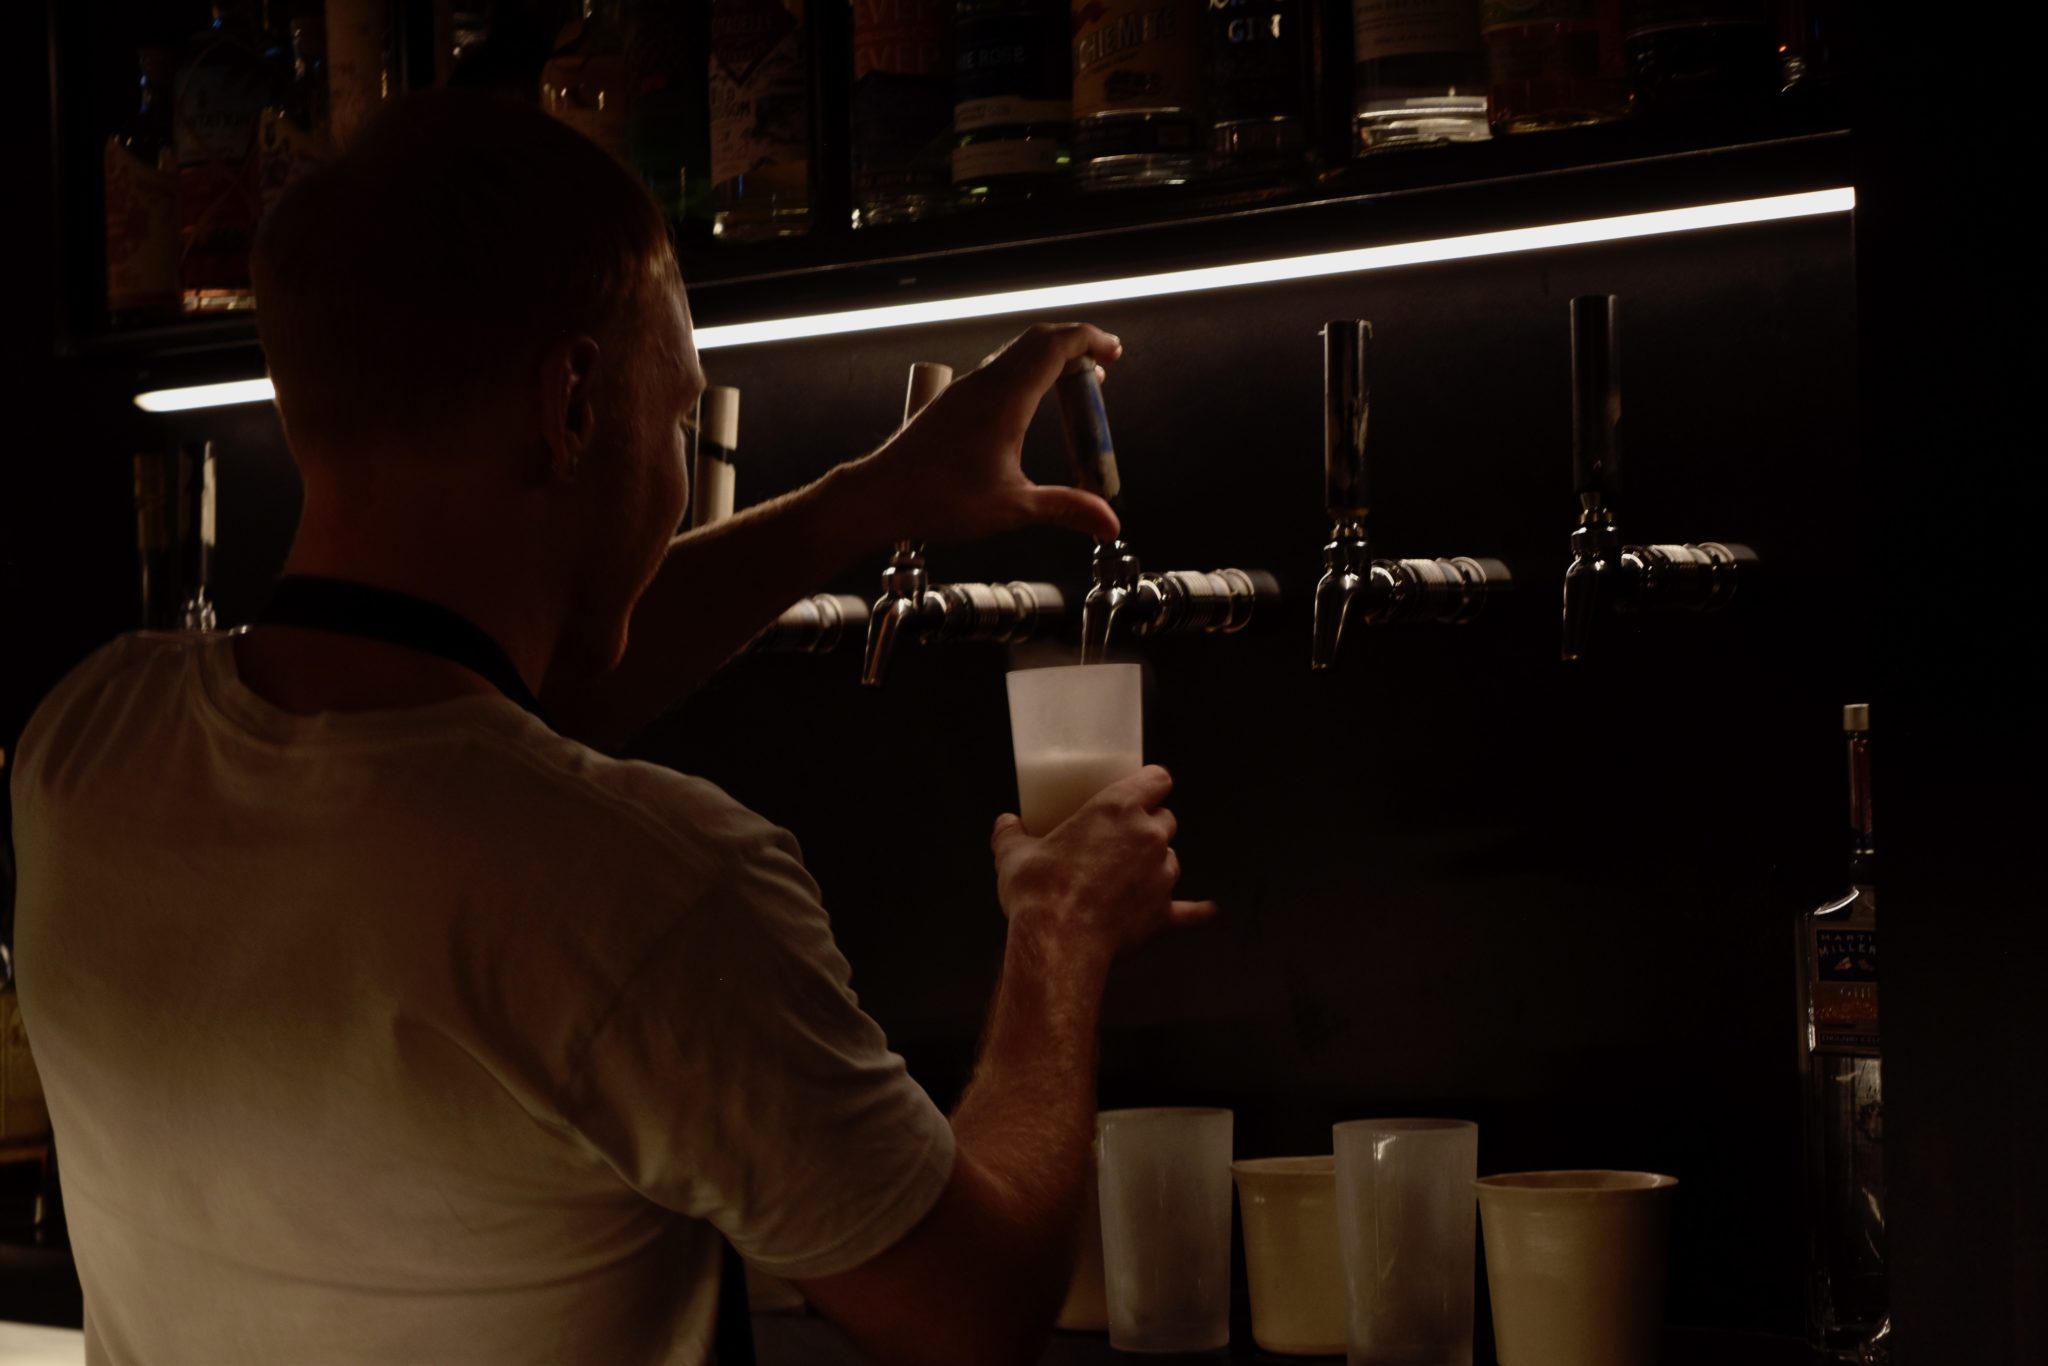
[1596,400]
[1091,453]
[1347,403]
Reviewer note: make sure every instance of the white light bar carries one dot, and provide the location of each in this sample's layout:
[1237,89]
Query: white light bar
[1074,299]
[205,396]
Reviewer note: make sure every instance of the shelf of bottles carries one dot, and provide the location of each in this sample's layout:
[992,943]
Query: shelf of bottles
[813,151]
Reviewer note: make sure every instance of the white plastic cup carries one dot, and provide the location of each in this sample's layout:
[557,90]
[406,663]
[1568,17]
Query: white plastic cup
[1075,729]
[1086,1309]
[1165,1186]
[1575,1263]
[1404,1222]
[1289,1208]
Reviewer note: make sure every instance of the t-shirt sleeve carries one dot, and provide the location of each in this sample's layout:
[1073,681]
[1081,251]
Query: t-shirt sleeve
[736,1079]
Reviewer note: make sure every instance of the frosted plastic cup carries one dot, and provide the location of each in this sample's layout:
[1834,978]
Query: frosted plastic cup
[1086,1309]
[1404,1222]
[1575,1262]
[1075,730]
[1289,1206]
[1165,1183]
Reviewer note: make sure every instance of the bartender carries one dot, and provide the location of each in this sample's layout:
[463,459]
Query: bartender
[385,1017]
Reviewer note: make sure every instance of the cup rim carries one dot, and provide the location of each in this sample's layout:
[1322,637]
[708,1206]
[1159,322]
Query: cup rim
[1306,1167]
[1406,1125]
[1554,1184]
[1073,668]
[1159,1111]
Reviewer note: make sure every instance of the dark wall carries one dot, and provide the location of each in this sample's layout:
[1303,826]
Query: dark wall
[1457,876]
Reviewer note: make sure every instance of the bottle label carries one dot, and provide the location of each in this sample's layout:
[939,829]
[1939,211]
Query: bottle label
[142,232]
[1495,14]
[1649,16]
[1011,65]
[1259,56]
[1132,55]
[1844,989]
[902,95]
[220,101]
[760,100]
[356,72]
[1395,28]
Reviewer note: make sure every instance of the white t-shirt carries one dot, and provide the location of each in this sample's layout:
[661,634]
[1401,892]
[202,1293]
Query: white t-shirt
[427,1035]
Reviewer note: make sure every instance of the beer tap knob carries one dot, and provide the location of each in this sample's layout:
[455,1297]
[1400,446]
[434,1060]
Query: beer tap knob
[1355,586]
[1604,574]
[1218,601]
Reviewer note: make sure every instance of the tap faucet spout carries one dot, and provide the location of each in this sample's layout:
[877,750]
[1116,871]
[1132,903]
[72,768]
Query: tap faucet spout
[1347,564]
[1115,573]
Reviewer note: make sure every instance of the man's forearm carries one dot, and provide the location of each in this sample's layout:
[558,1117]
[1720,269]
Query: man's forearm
[716,589]
[1028,1118]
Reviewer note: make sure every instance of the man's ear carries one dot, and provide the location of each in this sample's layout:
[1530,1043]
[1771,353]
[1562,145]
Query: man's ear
[568,409]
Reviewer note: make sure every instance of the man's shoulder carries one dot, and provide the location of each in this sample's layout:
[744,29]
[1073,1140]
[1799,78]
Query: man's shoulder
[102,676]
[676,816]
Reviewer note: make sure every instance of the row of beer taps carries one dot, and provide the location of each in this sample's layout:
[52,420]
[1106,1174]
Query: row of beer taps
[1124,601]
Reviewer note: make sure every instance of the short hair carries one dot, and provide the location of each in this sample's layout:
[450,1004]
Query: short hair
[424,272]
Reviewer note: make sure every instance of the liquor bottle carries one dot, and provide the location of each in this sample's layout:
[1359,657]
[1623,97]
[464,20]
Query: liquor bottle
[902,109]
[358,64]
[712,480]
[1262,84]
[1419,79]
[1138,92]
[1813,46]
[293,135]
[1553,64]
[1013,105]
[668,139]
[760,120]
[223,86]
[588,82]
[141,170]
[1702,60]
[1842,1089]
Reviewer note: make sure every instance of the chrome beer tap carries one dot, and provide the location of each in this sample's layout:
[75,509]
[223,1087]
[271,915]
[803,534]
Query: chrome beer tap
[1355,585]
[816,625]
[1121,594]
[911,605]
[1604,573]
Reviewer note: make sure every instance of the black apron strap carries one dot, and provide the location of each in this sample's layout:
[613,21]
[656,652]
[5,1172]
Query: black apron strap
[358,609]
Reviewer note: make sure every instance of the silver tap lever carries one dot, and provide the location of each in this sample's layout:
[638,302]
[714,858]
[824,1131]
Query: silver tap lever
[1604,574]
[905,584]
[1120,592]
[911,605]
[817,625]
[1354,585]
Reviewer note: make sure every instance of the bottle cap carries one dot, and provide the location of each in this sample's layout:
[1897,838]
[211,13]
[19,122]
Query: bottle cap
[721,420]
[928,379]
[1856,717]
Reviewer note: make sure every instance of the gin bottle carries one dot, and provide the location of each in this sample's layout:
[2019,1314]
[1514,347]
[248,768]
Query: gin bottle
[1843,1092]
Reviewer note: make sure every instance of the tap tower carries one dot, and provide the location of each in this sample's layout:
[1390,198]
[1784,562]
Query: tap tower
[1354,585]
[1604,573]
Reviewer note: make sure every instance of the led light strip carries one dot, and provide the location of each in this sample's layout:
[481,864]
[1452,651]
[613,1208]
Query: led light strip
[1070,300]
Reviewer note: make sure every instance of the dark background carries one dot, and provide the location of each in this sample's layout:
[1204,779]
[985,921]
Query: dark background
[1457,877]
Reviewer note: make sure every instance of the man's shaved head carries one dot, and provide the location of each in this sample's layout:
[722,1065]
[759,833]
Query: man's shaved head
[412,286]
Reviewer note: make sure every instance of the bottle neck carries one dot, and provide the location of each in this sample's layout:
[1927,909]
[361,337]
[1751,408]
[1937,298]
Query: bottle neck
[1862,845]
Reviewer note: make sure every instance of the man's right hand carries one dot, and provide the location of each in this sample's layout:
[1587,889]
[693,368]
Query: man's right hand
[1104,879]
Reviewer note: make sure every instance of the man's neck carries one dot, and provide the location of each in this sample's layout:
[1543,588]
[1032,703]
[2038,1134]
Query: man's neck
[305,671]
